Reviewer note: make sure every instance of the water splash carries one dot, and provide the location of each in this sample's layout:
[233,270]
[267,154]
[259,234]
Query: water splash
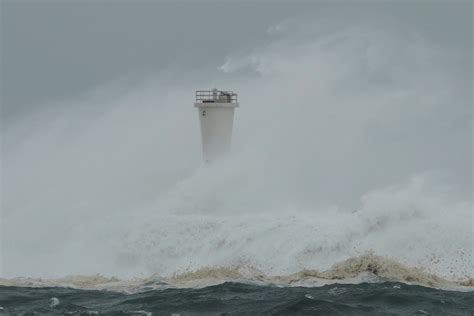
[338,151]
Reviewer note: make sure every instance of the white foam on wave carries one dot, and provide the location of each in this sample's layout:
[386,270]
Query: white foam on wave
[408,224]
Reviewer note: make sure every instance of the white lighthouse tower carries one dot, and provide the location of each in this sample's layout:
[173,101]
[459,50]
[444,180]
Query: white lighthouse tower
[216,116]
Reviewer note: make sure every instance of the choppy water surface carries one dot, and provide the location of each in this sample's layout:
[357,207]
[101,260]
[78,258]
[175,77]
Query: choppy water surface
[241,299]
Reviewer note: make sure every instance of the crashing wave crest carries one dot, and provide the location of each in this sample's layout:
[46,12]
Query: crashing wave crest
[365,268]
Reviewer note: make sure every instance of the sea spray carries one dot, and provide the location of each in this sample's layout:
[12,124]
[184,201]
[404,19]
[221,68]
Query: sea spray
[337,152]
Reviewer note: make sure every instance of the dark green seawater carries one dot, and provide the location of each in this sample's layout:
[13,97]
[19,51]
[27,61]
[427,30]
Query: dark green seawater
[242,299]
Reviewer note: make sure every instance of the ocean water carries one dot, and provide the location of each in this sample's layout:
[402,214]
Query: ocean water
[357,286]
[228,298]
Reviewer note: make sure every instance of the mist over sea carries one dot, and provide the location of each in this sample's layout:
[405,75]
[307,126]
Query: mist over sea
[351,166]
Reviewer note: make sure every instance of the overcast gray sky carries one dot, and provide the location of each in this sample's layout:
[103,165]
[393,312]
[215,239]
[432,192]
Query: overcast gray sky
[57,49]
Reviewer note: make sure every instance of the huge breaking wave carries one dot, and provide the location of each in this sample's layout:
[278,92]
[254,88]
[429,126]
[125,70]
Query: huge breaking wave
[340,171]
